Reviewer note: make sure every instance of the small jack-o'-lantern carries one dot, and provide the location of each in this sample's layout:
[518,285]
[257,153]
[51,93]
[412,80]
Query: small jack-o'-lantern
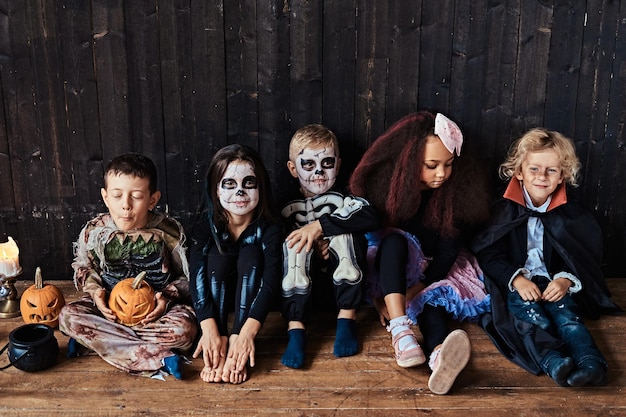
[41,303]
[132,299]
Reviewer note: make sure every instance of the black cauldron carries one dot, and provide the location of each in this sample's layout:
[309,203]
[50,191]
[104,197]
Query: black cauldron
[32,347]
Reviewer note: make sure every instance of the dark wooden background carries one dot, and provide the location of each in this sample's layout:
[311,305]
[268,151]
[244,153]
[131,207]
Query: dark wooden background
[83,81]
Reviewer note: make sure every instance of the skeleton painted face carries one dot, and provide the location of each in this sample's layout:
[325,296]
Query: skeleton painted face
[316,170]
[238,191]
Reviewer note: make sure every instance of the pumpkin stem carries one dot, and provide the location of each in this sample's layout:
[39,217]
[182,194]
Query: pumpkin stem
[138,280]
[38,279]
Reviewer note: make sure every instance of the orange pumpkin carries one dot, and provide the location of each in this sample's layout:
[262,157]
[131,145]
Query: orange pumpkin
[132,299]
[41,303]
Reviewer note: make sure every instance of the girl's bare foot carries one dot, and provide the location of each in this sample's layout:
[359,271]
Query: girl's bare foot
[215,374]
[235,377]
[230,372]
[207,374]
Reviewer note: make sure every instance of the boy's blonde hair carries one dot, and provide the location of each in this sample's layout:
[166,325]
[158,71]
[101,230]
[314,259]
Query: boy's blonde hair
[537,140]
[312,136]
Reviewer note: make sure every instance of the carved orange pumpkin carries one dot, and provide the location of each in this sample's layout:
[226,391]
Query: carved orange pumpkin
[132,299]
[41,303]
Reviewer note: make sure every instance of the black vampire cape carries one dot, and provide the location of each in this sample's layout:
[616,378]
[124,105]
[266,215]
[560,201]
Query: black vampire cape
[572,238]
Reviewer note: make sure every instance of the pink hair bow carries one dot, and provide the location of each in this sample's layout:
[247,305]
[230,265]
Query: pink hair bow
[449,133]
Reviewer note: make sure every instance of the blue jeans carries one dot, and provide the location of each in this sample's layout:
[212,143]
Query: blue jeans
[559,319]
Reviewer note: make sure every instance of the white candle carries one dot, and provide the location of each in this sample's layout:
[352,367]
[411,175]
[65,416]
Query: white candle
[9,258]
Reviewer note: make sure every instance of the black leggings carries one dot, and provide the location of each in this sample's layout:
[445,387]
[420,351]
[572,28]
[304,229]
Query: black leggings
[391,260]
[433,323]
[234,282]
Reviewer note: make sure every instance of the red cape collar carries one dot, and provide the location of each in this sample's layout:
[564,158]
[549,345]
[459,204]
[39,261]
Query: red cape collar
[515,193]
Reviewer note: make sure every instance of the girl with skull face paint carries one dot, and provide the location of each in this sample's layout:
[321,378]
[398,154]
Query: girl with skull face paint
[235,262]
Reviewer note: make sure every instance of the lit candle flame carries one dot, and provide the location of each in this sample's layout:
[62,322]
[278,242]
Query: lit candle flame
[10,260]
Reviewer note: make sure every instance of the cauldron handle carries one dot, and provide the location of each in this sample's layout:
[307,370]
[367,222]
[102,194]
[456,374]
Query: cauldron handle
[11,363]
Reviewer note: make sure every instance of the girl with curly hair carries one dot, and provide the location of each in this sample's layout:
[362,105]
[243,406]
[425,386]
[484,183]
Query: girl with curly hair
[431,199]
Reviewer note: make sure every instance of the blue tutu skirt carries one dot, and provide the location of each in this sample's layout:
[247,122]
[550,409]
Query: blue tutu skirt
[462,293]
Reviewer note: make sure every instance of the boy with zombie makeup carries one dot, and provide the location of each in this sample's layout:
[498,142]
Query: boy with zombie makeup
[131,238]
[326,242]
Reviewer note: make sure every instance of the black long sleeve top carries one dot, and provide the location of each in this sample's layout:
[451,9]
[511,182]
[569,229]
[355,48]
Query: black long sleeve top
[441,251]
[267,236]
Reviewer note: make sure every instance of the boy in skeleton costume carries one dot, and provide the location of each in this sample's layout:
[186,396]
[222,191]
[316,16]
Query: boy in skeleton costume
[131,238]
[327,232]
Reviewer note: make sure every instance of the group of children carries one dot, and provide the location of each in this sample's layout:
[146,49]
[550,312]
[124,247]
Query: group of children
[412,235]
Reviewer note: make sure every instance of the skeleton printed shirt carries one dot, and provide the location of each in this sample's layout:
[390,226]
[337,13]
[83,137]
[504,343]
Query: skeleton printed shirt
[338,214]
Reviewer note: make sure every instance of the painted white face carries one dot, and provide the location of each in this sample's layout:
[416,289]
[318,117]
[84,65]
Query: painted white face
[238,190]
[317,170]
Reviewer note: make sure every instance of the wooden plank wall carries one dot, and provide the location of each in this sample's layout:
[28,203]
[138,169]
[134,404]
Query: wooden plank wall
[83,81]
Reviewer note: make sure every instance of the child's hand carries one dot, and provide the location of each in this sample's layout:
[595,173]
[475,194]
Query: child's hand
[211,344]
[213,372]
[528,290]
[381,308]
[99,299]
[240,350]
[159,309]
[556,290]
[304,237]
[321,248]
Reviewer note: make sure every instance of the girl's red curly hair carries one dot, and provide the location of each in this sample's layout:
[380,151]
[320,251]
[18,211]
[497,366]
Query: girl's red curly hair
[388,176]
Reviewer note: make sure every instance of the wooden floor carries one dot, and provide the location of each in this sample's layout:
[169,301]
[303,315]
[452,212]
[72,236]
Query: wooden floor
[369,383]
